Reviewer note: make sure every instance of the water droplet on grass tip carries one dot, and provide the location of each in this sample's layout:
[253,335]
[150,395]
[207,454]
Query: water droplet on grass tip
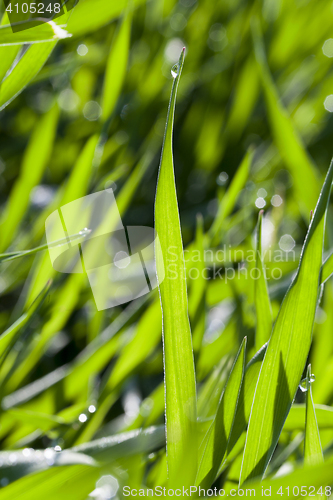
[303,385]
[175,70]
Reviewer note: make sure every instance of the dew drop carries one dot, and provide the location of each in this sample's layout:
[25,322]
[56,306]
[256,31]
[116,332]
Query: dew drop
[83,417]
[85,231]
[175,70]
[303,385]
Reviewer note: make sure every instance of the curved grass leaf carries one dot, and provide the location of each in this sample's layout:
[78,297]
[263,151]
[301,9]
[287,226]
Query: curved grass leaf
[26,69]
[287,349]
[180,386]
[313,453]
[261,296]
[219,432]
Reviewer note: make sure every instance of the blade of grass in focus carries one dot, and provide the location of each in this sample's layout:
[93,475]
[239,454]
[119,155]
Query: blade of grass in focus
[262,301]
[313,453]
[180,385]
[287,349]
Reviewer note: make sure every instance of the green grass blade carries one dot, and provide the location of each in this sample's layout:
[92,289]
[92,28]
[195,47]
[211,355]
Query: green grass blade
[261,297]
[117,65]
[313,453]
[179,373]
[35,161]
[288,141]
[219,432]
[27,68]
[287,349]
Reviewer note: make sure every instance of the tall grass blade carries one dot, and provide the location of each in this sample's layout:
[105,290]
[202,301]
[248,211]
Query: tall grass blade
[180,386]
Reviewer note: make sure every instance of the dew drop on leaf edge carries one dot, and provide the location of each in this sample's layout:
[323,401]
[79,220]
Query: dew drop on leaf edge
[303,386]
[175,70]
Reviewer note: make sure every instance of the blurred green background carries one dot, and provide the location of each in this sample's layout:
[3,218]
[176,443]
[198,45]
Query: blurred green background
[90,114]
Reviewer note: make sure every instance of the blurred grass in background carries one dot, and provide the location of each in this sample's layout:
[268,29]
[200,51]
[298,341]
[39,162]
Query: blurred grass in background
[88,112]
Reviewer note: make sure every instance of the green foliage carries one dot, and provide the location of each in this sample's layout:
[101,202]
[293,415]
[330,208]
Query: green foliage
[196,385]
